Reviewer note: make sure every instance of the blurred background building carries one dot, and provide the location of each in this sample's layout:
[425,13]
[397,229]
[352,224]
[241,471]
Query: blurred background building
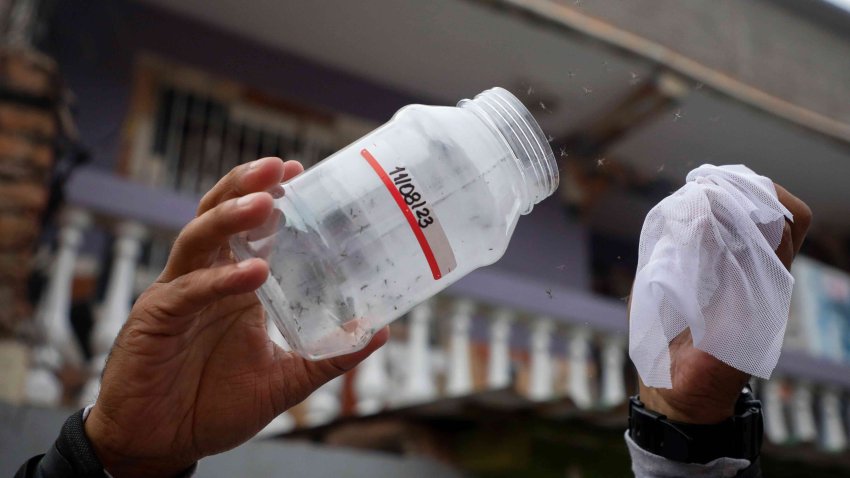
[115,116]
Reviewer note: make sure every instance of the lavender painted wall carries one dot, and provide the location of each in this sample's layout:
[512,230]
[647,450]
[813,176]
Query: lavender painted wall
[549,246]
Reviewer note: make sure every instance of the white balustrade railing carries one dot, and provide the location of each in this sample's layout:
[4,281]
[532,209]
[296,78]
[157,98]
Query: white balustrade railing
[613,379]
[372,383]
[541,386]
[116,305]
[277,337]
[579,355]
[119,292]
[459,380]
[775,425]
[833,435]
[42,386]
[58,346]
[404,373]
[53,315]
[284,422]
[499,361]
[419,383]
[325,404]
[803,413]
[828,430]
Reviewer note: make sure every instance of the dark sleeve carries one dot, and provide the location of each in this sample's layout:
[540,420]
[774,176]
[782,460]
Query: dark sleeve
[71,456]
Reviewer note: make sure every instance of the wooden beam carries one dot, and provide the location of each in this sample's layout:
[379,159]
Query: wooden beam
[569,19]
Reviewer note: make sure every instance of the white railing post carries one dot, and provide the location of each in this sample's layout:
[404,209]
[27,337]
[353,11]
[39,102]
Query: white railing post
[459,380]
[53,317]
[398,367]
[160,247]
[372,383]
[116,304]
[277,337]
[325,404]
[281,424]
[833,438]
[802,413]
[119,292]
[42,387]
[541,386]
[579,354]
[419,382]
[613,360]
[284,422]
[775,426]
[499,365]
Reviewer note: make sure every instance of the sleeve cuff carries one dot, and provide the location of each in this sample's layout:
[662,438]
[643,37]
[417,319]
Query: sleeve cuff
[650,465]
[71,453]
[190,472]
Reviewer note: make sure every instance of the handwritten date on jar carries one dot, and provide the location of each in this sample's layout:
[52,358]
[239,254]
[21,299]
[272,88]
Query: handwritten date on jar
[413,199]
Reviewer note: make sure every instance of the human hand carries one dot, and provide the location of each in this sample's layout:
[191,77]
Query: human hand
[193,371]
[704,388]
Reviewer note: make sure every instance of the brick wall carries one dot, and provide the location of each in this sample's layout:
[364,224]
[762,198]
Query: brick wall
[29,90]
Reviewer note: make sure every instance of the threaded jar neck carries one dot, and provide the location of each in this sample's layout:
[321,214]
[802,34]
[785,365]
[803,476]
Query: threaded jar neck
[506,114]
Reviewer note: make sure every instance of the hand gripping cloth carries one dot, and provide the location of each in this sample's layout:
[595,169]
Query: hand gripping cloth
[707,262]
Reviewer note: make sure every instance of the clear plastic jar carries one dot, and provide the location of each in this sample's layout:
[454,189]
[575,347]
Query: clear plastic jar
[387,222]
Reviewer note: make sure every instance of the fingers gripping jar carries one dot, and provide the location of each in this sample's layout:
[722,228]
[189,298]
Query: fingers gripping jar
[387,222]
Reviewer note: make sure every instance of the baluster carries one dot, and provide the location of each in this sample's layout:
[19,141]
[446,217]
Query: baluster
[42,387]
[284,422]
[459,380]
[325,403]
[774,415]
[847,414]
[802,413]
[116,305]
[833,438]
[91,389]
[275,335]
[579,353]
[541,387]
[372,383]
[160,248]
[499,367]
[53,317]
[419,383]
[398,367]
[613,381]
[279,425]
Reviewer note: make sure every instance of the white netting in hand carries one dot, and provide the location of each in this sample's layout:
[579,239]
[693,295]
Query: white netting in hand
[707,262]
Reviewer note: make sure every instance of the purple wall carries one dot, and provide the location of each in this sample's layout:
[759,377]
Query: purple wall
[549,246]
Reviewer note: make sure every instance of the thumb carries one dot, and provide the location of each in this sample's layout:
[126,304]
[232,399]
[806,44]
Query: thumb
[349,361]
[298,377]
[325,370]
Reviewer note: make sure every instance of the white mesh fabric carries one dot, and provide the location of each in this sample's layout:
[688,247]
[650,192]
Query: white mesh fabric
[707,262]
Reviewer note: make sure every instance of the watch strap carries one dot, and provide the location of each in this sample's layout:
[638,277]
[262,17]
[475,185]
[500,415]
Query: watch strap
[739,436]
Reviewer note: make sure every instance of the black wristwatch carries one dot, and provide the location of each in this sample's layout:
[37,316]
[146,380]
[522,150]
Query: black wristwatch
[739,436]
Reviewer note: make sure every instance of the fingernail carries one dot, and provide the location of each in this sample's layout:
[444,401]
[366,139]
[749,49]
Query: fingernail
[246,200]
[253,164]
[244,264]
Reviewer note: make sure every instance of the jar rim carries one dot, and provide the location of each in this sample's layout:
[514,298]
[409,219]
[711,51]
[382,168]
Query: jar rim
[505,113]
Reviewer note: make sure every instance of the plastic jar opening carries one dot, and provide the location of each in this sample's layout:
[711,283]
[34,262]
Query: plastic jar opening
[503,112]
